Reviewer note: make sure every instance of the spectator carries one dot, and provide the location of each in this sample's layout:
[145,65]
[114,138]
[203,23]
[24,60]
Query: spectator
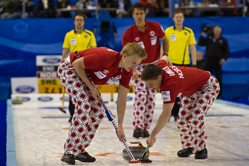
[77,40]
[108,4]
[180,39]
[46,9]
[82,4]
[147,34]
[152,7]
[187,12]
[246,6]
[229,12]
[124,8]
[8,7]
[210,13]
[163,8]
[198,90]
[217,52]
[29,8]
[63,4]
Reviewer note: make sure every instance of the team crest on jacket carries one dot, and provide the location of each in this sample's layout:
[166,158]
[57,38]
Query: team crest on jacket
[185,33]
[85,36]
[152,33]
[105,71]
[137,39]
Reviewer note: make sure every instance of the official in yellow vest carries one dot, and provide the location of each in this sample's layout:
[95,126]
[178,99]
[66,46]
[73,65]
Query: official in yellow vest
[180,39]
[78,39]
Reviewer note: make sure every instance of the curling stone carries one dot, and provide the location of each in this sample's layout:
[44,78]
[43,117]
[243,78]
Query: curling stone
[137,151]
[17,100]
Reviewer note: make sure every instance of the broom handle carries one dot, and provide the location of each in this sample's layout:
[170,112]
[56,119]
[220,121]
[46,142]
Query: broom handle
[113,123]
[63,95]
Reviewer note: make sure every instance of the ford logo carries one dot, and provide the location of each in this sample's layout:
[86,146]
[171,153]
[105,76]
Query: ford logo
[129,98]
[66,98]
[25,89]
[45,98]
[51,60]
[25,99]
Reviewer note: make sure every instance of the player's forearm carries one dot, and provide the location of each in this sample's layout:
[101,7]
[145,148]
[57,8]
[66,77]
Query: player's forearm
[193,54]
[64,53]
[165,45]
[162,121]
[121,106]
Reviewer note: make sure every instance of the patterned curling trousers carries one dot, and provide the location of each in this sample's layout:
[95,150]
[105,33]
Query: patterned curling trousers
[88,111]
[192,112]
[144,102]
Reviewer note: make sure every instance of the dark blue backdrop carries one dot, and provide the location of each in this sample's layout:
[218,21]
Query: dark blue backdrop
[22,39]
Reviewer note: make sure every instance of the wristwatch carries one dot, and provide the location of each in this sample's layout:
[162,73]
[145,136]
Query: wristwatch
[165,54]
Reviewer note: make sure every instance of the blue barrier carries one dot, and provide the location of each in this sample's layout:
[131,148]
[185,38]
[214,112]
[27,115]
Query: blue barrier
[22,39]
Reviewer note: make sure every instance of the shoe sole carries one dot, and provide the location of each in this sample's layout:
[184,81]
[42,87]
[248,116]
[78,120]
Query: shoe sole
[200,159]
[85,161]
[186,156]
[69,162]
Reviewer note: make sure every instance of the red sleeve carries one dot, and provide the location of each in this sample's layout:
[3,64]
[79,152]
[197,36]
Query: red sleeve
[95,59]
[125,80]
[126,37]
[162,62]
[161,33]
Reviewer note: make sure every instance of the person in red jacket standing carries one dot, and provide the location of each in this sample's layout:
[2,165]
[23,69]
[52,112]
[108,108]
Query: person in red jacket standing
[146,34]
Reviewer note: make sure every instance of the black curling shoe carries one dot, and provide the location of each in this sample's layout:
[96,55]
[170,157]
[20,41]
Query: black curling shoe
[68,158]
[201,155]
[137,133]
[185,152]
[85,157]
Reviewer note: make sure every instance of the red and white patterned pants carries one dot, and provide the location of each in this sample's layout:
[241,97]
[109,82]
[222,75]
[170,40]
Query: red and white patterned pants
[144,102]
[191,115]
[88,111]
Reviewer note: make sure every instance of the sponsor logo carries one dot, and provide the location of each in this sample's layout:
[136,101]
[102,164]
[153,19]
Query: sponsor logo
[51,60]
[100,75]
[25,99]
[129,98]
[152,33]
[25,89]
[66,98]
[45,98]
[105,71]
[166,95]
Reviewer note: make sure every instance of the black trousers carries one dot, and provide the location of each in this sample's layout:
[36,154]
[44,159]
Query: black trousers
[214,64]
[71,108]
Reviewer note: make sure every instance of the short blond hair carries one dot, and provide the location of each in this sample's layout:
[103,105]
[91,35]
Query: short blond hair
[178,11]
[134,48]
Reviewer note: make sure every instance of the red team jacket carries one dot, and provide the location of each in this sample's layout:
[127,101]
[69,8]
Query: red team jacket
[102,65]
[180,81]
